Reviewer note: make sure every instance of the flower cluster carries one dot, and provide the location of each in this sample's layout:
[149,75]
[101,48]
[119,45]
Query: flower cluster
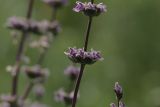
[72,72]
[45,31]
[7,98]
[36,72]
[42,27]
[90,9]
[119,93]
[63,96]
[43,43]
[39,91]
[56,3]
[66,95]
[83,57]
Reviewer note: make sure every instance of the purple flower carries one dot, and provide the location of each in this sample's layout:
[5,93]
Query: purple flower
[59,95]
[121,104]
[39,90]
[90,9]
[83,57]
[112,105]
[72,72]
[36,72]
[79,7]
[17,23]
[41,27]
[118,90]
[44,27]
[62,96]
[7,98]
[56,3]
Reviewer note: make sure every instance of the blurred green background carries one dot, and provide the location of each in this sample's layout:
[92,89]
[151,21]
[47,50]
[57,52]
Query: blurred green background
[128,36]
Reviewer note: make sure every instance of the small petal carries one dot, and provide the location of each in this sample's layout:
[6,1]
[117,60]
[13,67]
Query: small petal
[79,7]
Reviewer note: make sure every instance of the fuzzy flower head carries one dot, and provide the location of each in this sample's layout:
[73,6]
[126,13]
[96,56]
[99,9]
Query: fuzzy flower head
[90,9]
[7,98]
[37,27]
[72,72]
[39,90]
[83,57]
[118,91]
[59,95]
[56,3]
[121,104]
[17,23]
[112,105]
[63,96]
[36,72]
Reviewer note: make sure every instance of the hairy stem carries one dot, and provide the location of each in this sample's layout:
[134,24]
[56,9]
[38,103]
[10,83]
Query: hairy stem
[82,65]
[118,103]
[19,54]
[20,51]
[77,85]
[87,33]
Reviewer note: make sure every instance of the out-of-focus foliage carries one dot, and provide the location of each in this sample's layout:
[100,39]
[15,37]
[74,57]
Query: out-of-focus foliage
[128,36]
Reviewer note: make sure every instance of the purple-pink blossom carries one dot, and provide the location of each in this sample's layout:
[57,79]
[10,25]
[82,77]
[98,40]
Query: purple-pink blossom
[72,72]
[118,90]
[90,9]
[80,56]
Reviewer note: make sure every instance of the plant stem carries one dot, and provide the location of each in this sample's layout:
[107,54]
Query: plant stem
[27,90]
[87,34]
[92,1]
[77,85]
[39,62]
[82,65]
[117,103]
[19,54]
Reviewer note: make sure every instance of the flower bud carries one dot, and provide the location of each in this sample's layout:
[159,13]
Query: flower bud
[118,91]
